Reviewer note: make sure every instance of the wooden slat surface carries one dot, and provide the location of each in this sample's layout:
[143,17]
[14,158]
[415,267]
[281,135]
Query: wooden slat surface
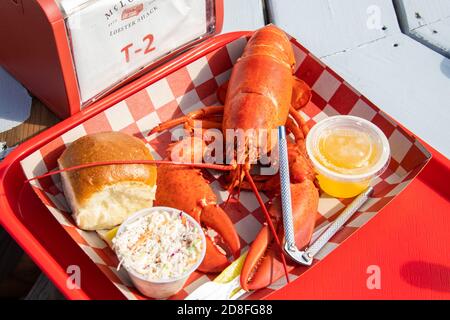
[427,22]
[243,15]
[329,27]
[40,119]
[404,78]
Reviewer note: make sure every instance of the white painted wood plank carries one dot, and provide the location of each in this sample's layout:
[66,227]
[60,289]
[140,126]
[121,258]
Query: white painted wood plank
[426,21]
[328,27]
[420,12]
[410,82]
[436,35]
[243,15]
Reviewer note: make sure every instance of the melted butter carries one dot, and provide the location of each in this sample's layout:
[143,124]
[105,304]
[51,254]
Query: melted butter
[347,151]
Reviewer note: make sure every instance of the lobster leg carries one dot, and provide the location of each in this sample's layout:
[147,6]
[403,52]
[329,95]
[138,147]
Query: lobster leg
[301,93]
[300,122]
[293,128]
[191,124]
[197,114]
[222,92]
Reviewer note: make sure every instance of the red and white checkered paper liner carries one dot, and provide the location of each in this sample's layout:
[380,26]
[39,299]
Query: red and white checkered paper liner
[193,87]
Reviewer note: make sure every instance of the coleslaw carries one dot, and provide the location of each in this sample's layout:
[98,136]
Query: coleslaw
[159,246]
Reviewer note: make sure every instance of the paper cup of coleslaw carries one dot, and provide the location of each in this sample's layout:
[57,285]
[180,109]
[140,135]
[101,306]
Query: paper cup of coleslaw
[160,248]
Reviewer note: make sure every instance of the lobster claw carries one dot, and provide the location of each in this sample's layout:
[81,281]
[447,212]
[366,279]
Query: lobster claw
[218,247]
[263,264]
[252,267]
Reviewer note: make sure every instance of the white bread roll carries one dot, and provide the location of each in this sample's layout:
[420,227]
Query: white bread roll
[103,197]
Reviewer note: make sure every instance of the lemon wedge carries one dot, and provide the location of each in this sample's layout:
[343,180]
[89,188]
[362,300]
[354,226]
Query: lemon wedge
[231,272]
[108,235]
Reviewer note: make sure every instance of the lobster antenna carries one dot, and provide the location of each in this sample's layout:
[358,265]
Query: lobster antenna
[232,188]
[269,221]
[230,196]
[147,162]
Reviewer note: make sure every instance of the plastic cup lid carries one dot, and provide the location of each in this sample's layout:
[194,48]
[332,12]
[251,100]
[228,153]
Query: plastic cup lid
[355,123]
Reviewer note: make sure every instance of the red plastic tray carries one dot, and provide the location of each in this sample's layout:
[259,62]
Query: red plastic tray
[29,221]
[409,241]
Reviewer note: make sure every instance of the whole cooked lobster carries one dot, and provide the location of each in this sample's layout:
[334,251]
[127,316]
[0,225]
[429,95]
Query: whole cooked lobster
[261,95]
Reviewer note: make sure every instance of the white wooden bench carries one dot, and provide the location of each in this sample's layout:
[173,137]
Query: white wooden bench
[403,77]
[427,22]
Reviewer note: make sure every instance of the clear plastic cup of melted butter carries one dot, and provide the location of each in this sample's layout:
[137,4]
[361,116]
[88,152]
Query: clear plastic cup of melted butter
[348,153]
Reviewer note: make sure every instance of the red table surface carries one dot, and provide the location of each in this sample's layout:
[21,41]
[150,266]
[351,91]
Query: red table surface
[409,240]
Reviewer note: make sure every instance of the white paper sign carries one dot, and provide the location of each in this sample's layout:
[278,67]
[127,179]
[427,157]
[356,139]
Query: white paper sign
[113,39]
